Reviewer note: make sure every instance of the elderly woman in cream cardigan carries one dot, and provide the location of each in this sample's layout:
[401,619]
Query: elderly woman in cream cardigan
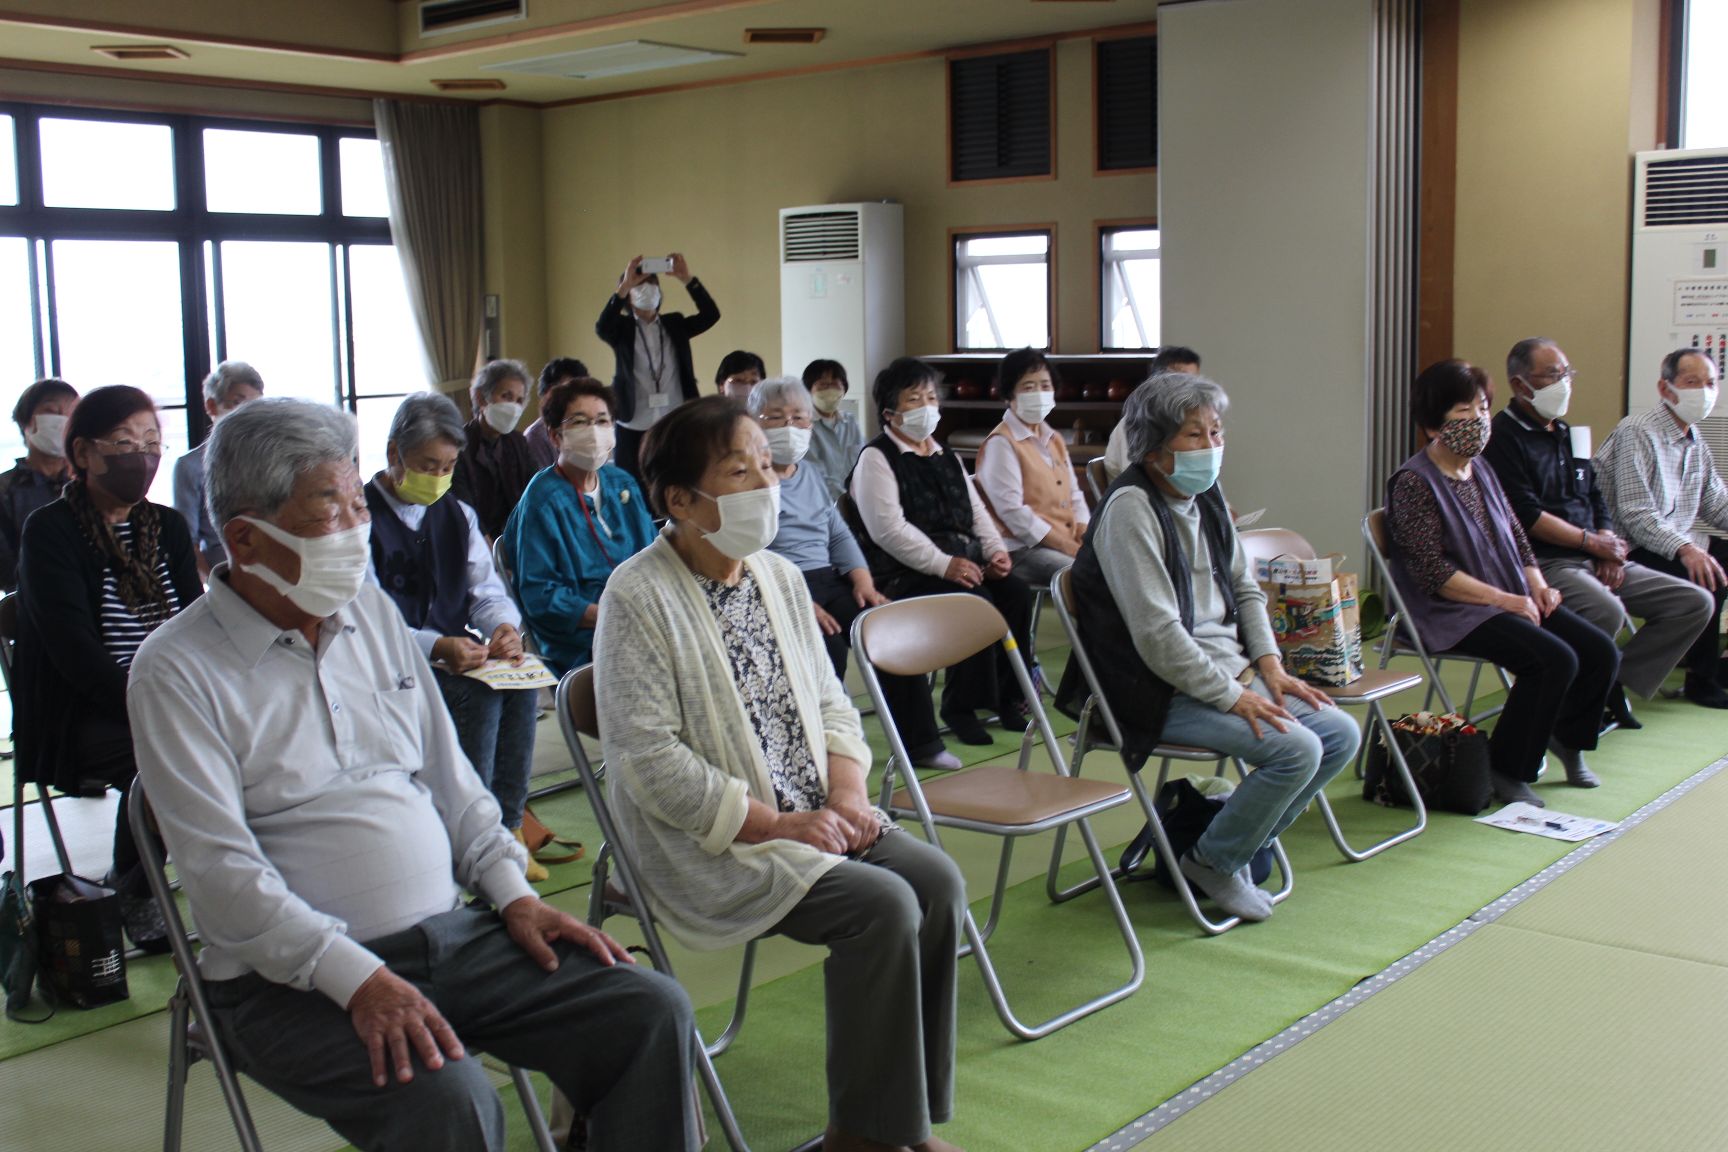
[736,766]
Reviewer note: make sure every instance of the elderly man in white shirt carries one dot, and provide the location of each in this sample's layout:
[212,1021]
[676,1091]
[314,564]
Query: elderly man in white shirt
[324,823]
[927,532]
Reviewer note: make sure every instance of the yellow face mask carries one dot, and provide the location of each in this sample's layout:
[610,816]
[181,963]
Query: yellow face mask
[423,487]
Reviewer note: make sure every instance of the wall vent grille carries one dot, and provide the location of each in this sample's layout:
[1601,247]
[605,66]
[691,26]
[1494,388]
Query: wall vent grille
[1686,192]
[819,236]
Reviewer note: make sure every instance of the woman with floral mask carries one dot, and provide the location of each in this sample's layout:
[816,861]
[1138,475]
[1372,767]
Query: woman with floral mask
[496,463]
[926,532]
[36,480]
[430,558]
[1467,574]
[1176,626]
[736,763]
[578,520]
[98,571]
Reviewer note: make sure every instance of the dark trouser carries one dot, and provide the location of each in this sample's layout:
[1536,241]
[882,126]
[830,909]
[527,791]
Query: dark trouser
[627,449]
[981,682]
[908,696]
[891,923]
[1703,660]
[1563,671]
[618,1041]
[496,731]
[104,752]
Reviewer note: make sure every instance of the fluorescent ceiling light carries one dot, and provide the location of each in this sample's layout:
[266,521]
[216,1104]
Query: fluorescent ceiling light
[612,60]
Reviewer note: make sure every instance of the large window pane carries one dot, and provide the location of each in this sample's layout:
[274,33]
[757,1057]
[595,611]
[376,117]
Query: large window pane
[1705,99]
[274,172]
[388,355]
[374,414]
[276,315]
[1131,293]
[363,178]
[17,350]
[8,162]
[117,311]
[103,164]
[1002,291]
[175,431]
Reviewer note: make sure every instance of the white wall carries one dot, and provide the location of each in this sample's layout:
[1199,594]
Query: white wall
[1264,206]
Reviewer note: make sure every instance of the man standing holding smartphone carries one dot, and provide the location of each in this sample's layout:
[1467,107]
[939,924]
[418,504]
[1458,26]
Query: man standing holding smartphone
[653,372]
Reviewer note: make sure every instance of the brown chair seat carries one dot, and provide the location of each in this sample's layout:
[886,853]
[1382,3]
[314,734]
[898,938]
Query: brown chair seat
[999,794]
[1373,684]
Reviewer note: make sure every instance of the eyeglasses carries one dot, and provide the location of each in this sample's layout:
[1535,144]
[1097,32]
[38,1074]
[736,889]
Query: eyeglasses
[584,422]
[1553,376]
[126,445]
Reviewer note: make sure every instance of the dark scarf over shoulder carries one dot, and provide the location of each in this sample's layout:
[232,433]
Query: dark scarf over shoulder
[1139,700]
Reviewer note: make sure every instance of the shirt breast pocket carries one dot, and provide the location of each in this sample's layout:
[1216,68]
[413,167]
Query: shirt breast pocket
[397,712]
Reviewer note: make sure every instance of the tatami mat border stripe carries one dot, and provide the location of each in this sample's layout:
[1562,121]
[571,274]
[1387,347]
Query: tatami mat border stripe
[1133,1134]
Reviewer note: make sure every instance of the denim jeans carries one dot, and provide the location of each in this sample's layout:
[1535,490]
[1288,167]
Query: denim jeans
[496,731]
[1289,768]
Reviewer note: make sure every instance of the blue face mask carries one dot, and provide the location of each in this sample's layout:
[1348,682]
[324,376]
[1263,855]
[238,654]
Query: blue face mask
[1197,471]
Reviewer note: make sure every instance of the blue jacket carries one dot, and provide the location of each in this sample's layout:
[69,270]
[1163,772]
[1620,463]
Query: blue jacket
[560,564]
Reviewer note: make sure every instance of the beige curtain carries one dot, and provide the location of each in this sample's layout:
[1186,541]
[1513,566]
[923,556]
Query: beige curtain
[432,172]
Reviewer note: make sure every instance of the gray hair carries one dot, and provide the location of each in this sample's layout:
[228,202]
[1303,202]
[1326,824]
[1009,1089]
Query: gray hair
[494,373]
[1159,407]
[778,390]
[228,375]
[255,455]
[1522,358]
[424,417]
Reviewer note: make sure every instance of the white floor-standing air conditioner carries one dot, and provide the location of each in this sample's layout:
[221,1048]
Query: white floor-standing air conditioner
[842,293]
[1679,271]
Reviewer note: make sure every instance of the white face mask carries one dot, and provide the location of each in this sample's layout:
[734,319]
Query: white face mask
[787,444]
[332,568]
[1692,404]
[827,400]
[587,448]
[503,416]
[919,423]
[1551,402]
[1032,407]
[645,297]
[48,434]
[749,521]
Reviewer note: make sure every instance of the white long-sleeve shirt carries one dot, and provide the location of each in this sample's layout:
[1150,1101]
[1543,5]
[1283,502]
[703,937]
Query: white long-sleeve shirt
[877,494]
[489,602]
[311,800]
[999,476]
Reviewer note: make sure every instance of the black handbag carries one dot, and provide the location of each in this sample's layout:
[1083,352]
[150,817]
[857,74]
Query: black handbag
[1448,758]
[81,950]
[1186,813]
[18,947]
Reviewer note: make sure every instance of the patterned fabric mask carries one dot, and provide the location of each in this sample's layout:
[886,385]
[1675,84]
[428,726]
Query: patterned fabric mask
[1465,437]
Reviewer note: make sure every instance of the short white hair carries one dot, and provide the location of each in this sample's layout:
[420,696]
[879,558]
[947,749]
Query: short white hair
[777,390]
[1159,407]
[257,452]
[229,375]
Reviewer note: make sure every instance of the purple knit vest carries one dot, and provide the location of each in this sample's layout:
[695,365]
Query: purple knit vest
[1491,557]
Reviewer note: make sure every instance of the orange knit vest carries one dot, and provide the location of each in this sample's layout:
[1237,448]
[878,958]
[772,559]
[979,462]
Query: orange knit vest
[1048,489]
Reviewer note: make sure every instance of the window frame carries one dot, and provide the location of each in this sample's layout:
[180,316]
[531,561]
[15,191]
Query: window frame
[985,231]
[192,226]
[1102,229]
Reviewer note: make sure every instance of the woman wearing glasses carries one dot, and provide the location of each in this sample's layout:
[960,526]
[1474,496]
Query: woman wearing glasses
[99,569]
[576,522]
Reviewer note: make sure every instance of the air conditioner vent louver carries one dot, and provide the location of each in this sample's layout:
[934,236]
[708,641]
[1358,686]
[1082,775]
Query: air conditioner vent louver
[438,16]
[819,236]
[1686,192]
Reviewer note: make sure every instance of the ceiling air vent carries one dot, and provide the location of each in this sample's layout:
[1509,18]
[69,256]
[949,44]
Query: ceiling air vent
[440,16]
[131,52]
[819,236]
[1690,191]
[611,60]
[784,35]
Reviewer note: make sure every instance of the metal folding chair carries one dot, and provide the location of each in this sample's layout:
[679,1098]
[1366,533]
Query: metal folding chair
[9,637]
[1370,689]
[1402,639]
[578,716]
[1097,479]
[1095,711]
[192,1034]
[914,637]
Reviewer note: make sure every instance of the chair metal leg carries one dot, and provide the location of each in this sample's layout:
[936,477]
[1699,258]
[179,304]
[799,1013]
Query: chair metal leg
[531,1108]
[47,802]
[739,1004]
[179,1058]
[1377,719]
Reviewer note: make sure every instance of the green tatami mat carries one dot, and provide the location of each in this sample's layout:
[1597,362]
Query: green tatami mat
[1513,1040]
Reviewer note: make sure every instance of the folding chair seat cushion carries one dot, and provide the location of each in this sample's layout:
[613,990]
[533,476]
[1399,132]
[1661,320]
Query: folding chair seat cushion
[1372,684]
[1005,796]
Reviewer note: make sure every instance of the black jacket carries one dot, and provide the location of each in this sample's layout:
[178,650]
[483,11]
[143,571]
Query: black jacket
[617,326]
[62,674]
